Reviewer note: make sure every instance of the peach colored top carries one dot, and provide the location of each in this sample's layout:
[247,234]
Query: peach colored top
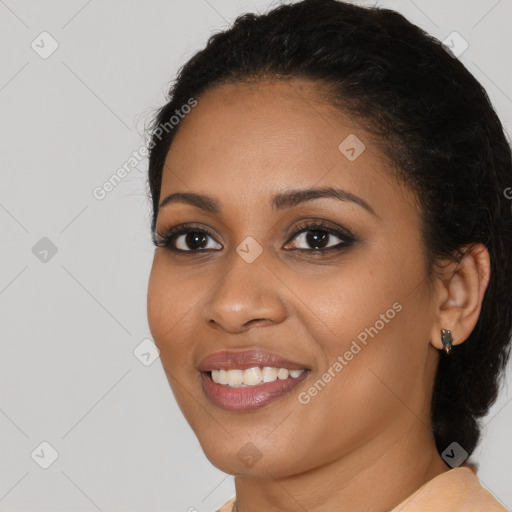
[455,490]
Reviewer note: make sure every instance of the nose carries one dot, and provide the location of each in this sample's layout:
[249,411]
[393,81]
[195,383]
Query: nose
[244,295]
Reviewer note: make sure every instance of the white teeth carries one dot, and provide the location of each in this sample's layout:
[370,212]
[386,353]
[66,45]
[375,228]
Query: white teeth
[235,378]
[269,374]
[282,373]
[252,376]
[222,377]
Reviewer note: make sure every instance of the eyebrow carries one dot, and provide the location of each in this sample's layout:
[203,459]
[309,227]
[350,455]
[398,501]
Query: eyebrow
[279,202]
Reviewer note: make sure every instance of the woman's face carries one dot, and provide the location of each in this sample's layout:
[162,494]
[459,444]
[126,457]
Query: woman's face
[253,281]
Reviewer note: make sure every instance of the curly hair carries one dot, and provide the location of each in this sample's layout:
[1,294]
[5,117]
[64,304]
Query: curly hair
[433,122]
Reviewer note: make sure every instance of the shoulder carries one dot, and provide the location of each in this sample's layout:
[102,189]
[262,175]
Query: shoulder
[228,506]
[456,490]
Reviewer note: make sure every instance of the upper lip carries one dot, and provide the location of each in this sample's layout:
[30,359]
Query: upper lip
[241,360]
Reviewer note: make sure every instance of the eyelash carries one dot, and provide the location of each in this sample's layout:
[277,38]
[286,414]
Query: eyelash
[167,238]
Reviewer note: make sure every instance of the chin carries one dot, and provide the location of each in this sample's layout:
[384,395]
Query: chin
[241,457]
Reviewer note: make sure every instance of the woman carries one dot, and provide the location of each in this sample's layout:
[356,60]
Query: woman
[331,287]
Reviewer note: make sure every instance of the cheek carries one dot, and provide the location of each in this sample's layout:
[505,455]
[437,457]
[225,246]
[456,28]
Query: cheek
[368,313]
[170,303]
[348,299]
[158,301]
[170,300]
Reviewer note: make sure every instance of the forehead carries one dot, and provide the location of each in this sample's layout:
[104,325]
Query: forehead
[267,119]
[246,141]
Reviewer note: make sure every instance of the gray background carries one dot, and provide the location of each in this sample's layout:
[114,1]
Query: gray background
[71,322]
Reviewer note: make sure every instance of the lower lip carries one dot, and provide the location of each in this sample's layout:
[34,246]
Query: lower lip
[250,397]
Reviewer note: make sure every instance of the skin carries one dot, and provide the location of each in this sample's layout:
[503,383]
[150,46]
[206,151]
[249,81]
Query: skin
[368,429]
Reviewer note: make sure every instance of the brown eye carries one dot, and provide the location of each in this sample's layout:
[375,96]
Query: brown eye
[319,237]
[186,239]
[192,240]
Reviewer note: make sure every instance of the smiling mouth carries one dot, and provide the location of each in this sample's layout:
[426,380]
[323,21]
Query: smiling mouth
[236,396]
[255,376]
[245,380]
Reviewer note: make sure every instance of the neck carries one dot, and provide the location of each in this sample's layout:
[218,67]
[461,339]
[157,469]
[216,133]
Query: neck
[371,478]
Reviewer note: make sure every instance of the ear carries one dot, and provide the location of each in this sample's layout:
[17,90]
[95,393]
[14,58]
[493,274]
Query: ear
[461,288]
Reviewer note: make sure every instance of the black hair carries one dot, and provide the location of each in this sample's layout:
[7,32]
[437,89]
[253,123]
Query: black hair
[435,124]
